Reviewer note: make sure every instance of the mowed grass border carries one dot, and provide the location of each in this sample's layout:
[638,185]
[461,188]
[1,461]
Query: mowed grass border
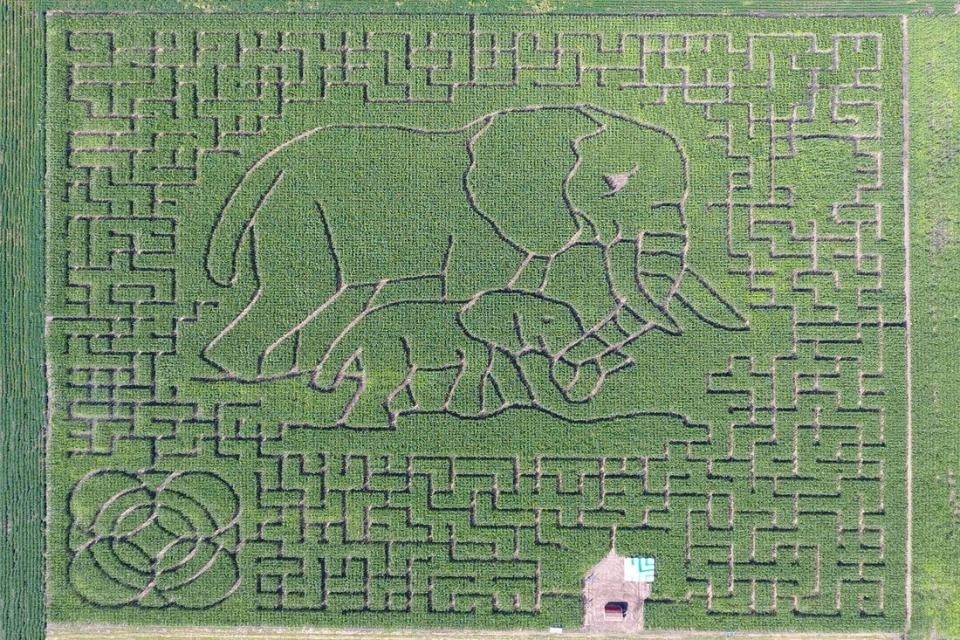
[107,632]
[934,139]
[934,65]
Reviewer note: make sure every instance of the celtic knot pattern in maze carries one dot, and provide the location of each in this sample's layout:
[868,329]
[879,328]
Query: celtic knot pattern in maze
[157,540]
[369,319]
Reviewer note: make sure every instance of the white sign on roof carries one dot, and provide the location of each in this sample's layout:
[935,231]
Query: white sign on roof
[638,569]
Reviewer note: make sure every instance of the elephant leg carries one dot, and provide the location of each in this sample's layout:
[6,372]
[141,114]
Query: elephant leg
[506,384]
[468,394]
[478,261]
[298,275]
[380,375]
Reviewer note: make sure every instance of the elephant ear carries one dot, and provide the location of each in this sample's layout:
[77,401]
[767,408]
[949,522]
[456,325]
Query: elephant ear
[516,321]
[493,319]
[520,164]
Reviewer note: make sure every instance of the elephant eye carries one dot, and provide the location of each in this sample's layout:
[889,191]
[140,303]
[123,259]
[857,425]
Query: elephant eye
[617,181]
[546,319]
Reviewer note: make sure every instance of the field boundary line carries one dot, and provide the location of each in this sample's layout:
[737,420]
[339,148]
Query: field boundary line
[908,355]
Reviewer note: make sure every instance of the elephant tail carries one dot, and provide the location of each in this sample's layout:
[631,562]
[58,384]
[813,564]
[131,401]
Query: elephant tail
[235,220]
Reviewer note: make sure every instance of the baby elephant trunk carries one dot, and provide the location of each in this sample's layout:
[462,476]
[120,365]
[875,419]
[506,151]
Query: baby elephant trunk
[581,368]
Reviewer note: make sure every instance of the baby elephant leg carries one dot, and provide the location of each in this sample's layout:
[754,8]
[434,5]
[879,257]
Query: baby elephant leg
[468,391]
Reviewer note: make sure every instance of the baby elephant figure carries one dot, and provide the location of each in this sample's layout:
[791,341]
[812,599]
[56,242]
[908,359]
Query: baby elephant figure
[473,362]
[522,328]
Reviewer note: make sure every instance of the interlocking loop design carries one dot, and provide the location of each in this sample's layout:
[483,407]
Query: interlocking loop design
[154,539]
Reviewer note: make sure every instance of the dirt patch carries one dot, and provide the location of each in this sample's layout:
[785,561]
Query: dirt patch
[939,237]
[611,603]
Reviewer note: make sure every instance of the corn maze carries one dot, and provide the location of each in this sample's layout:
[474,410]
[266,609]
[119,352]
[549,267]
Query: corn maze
[365,320]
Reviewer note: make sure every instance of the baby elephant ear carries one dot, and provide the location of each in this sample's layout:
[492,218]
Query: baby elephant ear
[520,164]
[493,319]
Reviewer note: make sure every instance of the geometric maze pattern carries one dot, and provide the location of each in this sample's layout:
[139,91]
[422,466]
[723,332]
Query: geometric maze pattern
[768,485]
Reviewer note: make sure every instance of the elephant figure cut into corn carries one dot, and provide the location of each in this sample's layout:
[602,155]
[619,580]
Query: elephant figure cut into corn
[346,221]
